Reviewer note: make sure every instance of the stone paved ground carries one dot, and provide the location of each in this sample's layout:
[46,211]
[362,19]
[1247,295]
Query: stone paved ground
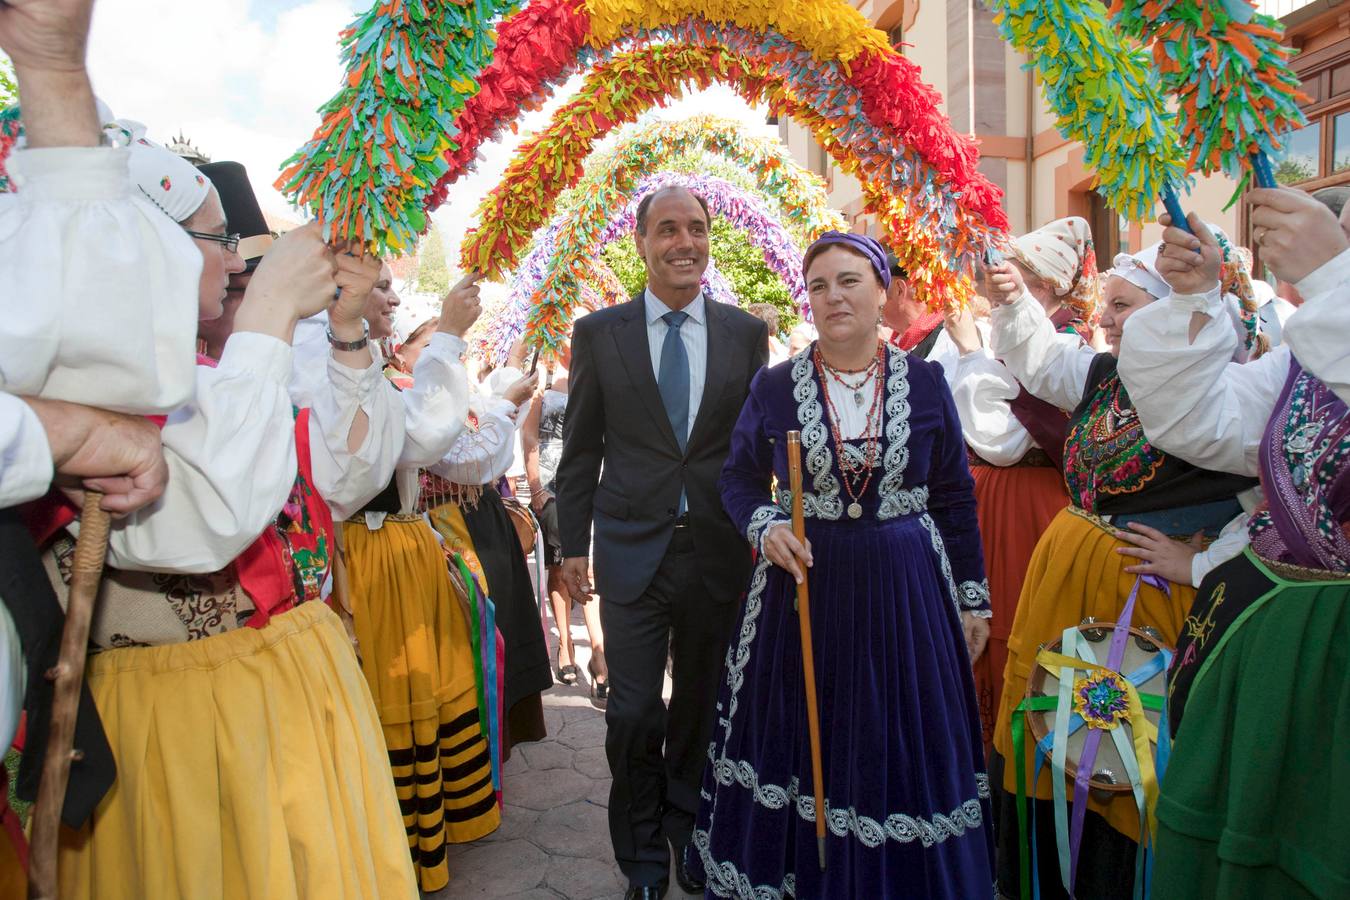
[554,838]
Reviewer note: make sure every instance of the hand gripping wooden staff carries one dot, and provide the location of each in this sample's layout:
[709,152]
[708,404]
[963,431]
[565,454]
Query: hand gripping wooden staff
[794,457]
[68,676]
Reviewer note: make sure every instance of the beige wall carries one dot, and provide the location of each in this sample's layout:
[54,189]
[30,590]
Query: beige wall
[1056,172]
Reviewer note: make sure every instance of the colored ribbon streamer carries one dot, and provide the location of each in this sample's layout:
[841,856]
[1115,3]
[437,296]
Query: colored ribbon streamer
[1078,656]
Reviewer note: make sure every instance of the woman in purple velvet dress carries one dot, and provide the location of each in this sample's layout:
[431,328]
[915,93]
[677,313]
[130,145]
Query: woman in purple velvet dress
[899,608]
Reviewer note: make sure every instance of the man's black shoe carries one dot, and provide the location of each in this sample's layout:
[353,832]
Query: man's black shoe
[644,892]
[683,877]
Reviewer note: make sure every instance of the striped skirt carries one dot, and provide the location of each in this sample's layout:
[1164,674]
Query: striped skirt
[417,655]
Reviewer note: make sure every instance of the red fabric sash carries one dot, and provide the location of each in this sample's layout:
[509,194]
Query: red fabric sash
[285,566]
[289,561]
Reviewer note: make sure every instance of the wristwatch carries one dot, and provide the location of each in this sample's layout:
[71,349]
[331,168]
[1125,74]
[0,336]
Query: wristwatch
[358,344]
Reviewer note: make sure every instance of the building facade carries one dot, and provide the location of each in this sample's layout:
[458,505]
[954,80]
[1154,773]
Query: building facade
[987,93]
[1318,155]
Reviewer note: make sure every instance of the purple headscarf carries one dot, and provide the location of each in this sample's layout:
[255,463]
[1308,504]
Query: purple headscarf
[868,247]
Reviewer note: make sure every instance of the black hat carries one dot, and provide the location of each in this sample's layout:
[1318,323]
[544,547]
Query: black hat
[242,212]
[897,270]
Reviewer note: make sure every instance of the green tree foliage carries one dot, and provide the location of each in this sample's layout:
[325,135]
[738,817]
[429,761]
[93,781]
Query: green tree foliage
[739,260]
[9,90]
[1294,171]
[433,273]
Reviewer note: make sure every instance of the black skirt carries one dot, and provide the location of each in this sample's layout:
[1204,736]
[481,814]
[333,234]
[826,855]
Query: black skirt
[528,673]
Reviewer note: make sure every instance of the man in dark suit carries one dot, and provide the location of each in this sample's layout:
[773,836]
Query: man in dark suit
[656,387]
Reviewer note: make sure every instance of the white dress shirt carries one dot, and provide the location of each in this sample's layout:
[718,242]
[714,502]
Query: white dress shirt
[99,304]
[336,393]
[1051,366]
[694,333]
[1196,404]
[231,459]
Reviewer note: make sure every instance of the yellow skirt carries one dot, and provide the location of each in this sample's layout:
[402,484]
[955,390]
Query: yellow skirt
[1074,573]
[249,765]
[417,655]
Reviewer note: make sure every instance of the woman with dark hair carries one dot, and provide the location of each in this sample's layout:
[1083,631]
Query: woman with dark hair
[893,560]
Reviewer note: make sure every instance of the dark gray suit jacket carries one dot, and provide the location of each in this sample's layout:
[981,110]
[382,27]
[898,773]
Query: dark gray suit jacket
[615,417]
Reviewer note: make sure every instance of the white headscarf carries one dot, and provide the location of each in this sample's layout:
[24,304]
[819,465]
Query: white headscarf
[1062,254]
[164,178]
[1141,270]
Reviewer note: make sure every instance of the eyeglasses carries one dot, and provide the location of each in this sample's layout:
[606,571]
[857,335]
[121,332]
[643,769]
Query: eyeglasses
[229,241]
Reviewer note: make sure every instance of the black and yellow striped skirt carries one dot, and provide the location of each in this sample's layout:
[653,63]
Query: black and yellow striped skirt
[417,655]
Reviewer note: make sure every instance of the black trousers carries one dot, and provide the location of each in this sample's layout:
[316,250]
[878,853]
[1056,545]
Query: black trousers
[657,755]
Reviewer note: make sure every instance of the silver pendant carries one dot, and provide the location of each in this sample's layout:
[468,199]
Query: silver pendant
[855,510]
[1301,441]
[858,398]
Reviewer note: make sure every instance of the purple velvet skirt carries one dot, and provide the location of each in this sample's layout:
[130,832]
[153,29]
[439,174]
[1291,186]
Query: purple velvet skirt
[906,794]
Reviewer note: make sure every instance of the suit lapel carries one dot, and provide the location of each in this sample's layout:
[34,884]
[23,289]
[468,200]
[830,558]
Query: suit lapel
[630,336]
[719,354]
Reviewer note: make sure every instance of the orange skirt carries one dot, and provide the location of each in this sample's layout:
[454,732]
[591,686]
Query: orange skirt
[1016,505]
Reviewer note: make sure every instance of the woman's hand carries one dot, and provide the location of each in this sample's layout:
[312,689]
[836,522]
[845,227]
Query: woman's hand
[460,308]
[356,273]
[1189,263]
[961,329]
[355,276]
[1161,554]
[977,634]
[1005,283]
[784,550]
[521,389]
[1296,233]
[539,499]
[295,280]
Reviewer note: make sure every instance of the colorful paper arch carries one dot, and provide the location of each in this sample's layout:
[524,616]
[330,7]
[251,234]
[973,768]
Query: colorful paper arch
[574,239]
[824,87]
[894,100]
[371,169]
[366,172]
[796,192]
[630,83]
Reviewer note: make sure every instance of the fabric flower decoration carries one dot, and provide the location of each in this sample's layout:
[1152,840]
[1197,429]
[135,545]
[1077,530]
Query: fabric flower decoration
[1100,698]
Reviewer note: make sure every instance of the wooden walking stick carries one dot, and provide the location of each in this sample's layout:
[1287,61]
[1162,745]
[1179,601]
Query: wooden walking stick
[68,677]
[794,456]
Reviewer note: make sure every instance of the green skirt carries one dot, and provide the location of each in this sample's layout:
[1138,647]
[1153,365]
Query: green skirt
[1256,799]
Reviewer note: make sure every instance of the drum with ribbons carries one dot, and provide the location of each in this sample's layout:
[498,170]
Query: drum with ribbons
[1095,710]
[1098,701]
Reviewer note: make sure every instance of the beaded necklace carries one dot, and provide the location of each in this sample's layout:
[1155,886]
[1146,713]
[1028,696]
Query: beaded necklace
[873,368]
[854,471]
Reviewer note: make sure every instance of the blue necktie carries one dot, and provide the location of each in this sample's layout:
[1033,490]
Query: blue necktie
[674,378]
[673,381]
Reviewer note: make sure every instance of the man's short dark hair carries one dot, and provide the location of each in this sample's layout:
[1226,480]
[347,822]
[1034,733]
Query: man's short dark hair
[1333,198]
[645,205]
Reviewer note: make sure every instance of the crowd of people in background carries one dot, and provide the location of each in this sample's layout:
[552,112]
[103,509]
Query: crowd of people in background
[319,636]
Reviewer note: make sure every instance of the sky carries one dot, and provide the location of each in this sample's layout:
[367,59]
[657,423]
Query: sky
[243,80]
